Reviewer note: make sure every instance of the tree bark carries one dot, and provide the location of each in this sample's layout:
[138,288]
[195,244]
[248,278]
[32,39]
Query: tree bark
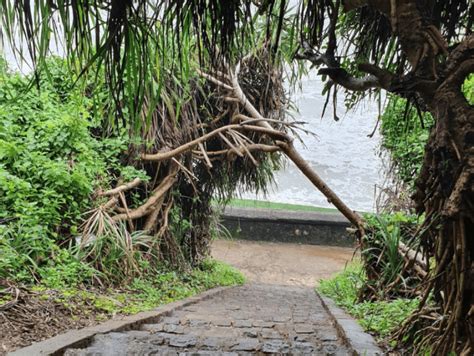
[445,189]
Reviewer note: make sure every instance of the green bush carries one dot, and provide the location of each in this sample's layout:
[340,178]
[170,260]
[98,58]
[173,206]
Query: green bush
[377,317]
[405,133]
[168,286]
[50,164]
[142,293]
[404,136]
[468,88]
[381,257]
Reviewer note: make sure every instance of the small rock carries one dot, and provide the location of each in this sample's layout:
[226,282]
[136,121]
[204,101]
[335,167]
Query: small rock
[153,328]
[242,323]
[183,341]
[251,333]
[173,329]
[300,320]
[170,320]
[274,346]
[263,324]
[197,322]
[304,329]
[246,345]
[328,337]
[330,349]
[223,322]
[156,340]
[211,342]
[270,334]
[303,346]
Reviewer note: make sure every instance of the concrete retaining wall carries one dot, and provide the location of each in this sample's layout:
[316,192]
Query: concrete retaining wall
[287,226]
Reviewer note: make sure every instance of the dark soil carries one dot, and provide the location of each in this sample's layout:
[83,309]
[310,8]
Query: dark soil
[35,316]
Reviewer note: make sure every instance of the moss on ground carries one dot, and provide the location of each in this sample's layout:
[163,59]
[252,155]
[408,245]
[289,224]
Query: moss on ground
[142,294]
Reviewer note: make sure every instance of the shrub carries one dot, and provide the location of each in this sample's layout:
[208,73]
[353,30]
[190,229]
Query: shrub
[382,261]
[377,317]
[50,165]
[404,135]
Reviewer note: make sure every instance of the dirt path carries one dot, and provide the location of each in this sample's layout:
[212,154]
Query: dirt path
[284,264]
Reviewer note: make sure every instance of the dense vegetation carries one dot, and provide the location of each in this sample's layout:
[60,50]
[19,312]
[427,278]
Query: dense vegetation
[379,317]
[405,132]
[381,289]
[200,84]
[53,160]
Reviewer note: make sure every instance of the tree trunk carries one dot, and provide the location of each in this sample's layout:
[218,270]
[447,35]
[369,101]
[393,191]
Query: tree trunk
[445,192]
[332,197]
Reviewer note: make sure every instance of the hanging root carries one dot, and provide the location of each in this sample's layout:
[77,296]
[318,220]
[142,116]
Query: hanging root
[445,192]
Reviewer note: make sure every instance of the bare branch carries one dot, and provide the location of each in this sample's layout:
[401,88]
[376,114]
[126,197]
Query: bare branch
[161,156]
[153,216]
[206,157]
[378,78]
[232,147]
[254,147]
[109,204]
[121,188]
[214,80]
[164,186]
[343,78]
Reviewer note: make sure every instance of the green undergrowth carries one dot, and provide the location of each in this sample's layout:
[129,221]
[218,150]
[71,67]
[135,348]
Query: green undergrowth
[261,204]
[54,157]
[51,162]
[140,294]
[379,318]
[405,132]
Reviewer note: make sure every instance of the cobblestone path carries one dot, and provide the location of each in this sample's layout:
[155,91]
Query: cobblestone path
[251,319]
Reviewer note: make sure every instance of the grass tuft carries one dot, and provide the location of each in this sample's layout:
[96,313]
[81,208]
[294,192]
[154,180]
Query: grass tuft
[261,204]
[379,318]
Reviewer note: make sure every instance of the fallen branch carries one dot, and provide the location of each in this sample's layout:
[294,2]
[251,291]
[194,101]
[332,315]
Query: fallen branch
[231,145]
[288,148]
[153,216]
[206,157]
[161,156]
[141,211]
[411,255]
[253,147]
[109,204]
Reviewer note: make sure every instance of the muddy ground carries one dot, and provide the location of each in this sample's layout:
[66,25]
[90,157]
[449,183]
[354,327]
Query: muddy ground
[282,263]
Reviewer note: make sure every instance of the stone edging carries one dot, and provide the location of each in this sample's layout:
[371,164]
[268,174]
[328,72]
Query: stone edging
[287,216]
[81,337]
[350,331]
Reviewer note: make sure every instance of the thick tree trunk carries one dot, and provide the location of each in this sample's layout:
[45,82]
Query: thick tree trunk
[445,193]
